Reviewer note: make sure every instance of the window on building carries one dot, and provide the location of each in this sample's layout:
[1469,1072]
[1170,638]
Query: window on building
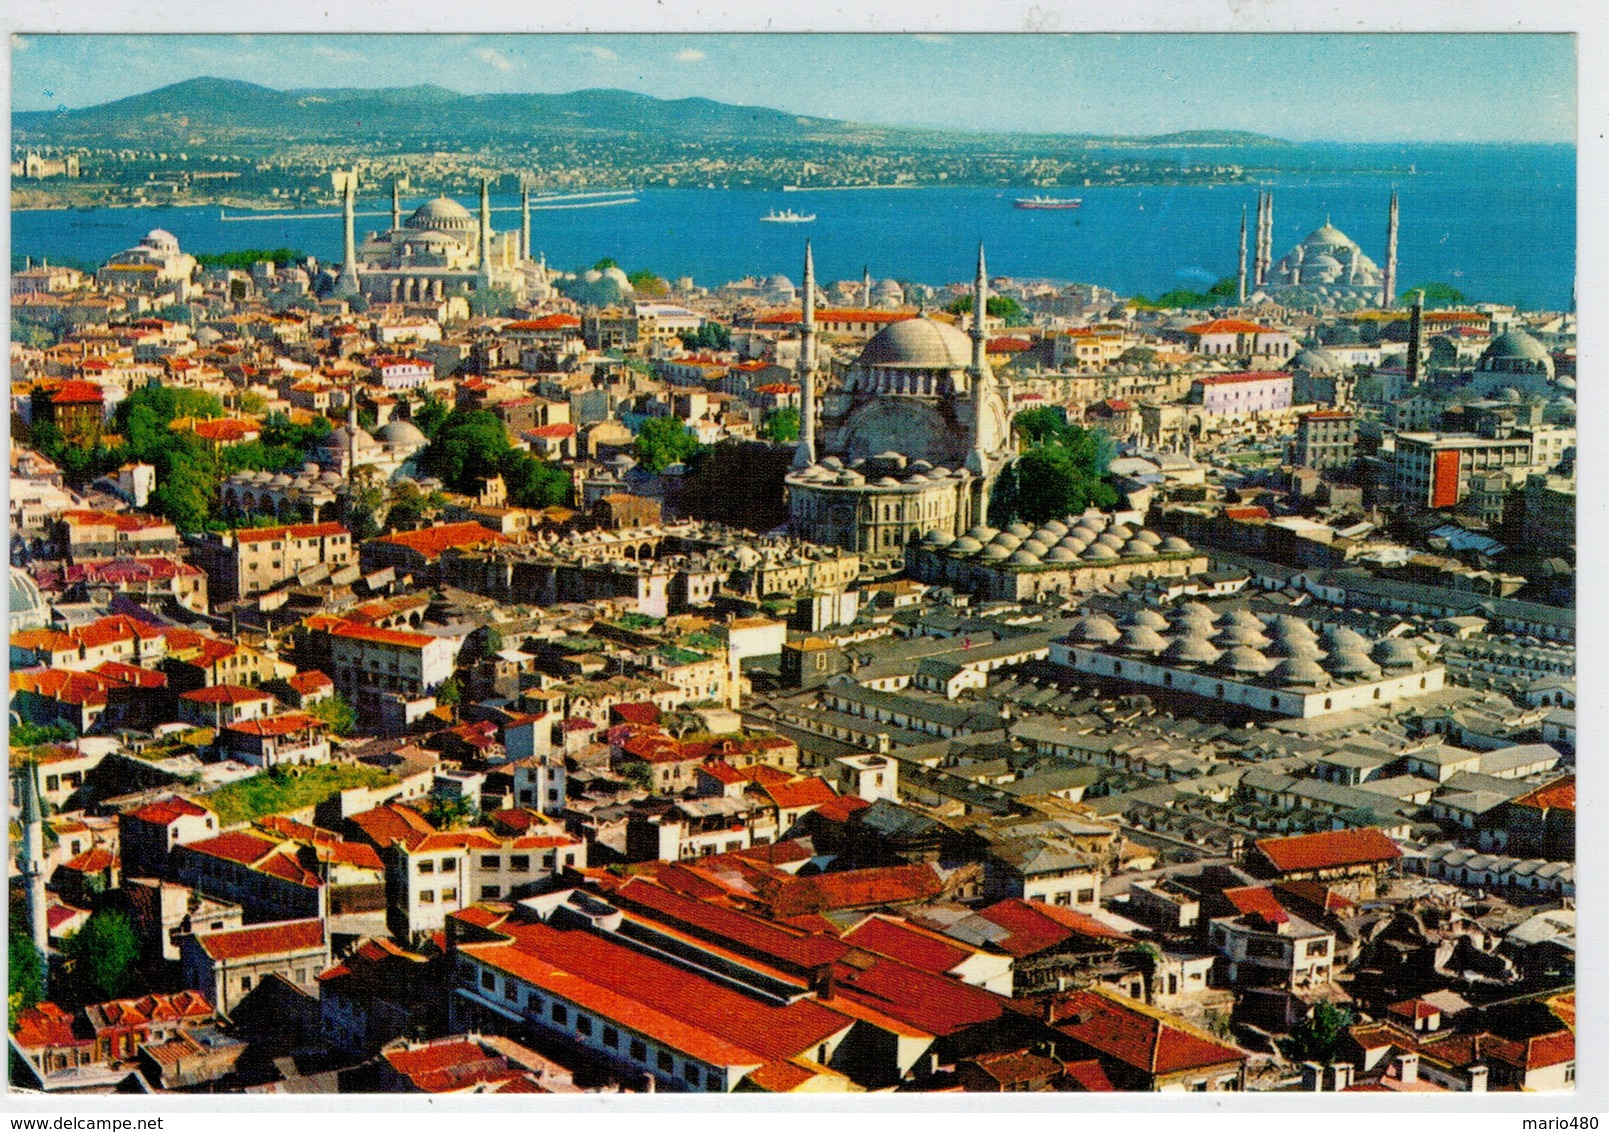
[691,1074]
[427,897]
[448,895]
[245,982]
[667,1063]
[547,860]
[639,1051]
[1316,947]
[559,1013]
[583,1025]
[490,891]
[491,861]
[611,1037]
[426,867]
[488,980]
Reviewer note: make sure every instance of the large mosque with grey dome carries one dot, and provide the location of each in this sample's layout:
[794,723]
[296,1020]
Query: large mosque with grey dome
[912,442]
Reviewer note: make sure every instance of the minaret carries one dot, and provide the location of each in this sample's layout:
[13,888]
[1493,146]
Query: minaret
[396,207]
[525,221]
[1415,319]
[866,287]
[1240,279]
[1268,241]
[1388,295]
[977,461]
[352,426]
[485,234]
[1257,252]
[33,860]
[805,454]
[347,284]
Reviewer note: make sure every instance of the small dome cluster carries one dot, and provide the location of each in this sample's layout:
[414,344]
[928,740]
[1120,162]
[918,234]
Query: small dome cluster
[1088,538]
[886,469]
[1280,649]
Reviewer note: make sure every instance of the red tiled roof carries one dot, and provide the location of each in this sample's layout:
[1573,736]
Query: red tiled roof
[265,939]
[1138,1035]
[1257,901]
[274,725]
[924,950]
[547,322]
[1227,326]
[1036,927]
[227,429]
[78,393]
[1557,795]
[238,846]
[168,811]
[808,791]
[1088,1077]
[857,888]
[840,809]
[310,681]
[1335,849]
[95,860]
[432,541]
[381,636]
[122,520]
[226,694]
[48,1026]
[1532,1053]
[552,431]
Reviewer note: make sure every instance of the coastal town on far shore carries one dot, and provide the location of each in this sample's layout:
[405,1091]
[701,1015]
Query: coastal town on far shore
[434,672]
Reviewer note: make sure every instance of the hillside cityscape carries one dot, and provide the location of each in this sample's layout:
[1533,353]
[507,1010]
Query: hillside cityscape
[438,670]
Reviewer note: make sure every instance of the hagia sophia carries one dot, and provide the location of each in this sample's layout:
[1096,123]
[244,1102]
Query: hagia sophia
[913,442]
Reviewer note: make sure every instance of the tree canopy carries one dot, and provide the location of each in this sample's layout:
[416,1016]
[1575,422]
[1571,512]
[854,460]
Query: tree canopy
[1318,1036]
[709,336]
[1221,292]
[781,425]
[337,712]
[739,484]
[1063,471]
[470,446]
[1437,296]
[25,979]
[999,306]
[663,441]
[102,954]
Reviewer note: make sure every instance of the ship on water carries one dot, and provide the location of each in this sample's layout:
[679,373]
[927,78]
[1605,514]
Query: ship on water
[786,216]
[1049,202]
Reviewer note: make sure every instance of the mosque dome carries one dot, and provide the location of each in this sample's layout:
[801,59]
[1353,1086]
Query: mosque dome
[1295,647]
[1021,530]
[1514,345]
[401,433]
[936,537]
[1328,236]
[1024,558]
[28,608]
[1036,546]
[1138,548]
[442,214]
[1061,554]
[1056,526]
[966,544]
[780,283]
[1173,544]
[1099,550]
[1193,613]
[1317,360]
[1112,539]
[1150,538]
[1007,540]
[1352,664]
[995,552]
[918,343]
[983,533]
[1242,635]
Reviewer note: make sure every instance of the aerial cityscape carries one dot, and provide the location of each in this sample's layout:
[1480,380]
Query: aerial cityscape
[553,580]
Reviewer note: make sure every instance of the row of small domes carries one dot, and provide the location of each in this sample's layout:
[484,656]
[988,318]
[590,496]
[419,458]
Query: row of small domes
[1084,538]
[1284,648]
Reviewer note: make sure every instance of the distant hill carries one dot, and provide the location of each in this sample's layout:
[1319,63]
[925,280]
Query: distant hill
[242,113]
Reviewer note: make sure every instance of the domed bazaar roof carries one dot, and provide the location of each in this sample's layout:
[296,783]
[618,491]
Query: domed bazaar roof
[1142,638]
[1093,628]
[1191,648]
[1149,618]
[1515,344]
[1244,660]
[402,432]
[1300,670]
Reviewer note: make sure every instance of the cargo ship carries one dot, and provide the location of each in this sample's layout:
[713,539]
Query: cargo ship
[1049,202]
[787,216]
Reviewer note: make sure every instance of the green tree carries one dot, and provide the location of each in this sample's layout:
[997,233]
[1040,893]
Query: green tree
[663,441]
[1138,356]
[1063,473]
[252,402]
[648,285]
[25,978]
[337,711]
[429,416]
[999,306]
[102,955]
[781,425]
[1318,1036]
[709,336]
[605,264]
[637,774]
[1437,296]
[32,335]
[25,734]
[534,482]
[449,692]
[467,449]
[243,259]
[1043,426]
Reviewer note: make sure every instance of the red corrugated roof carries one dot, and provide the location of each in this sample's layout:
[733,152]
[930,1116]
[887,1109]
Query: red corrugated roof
[1241,378]
[168,811]
[295,530]
[1227,326]
[1138,1035]
[1256,901]
[924,950]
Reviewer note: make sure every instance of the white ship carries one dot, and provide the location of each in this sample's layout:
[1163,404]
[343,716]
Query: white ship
[786,216]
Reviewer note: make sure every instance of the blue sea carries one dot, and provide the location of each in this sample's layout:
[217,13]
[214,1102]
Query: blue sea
[1496,221]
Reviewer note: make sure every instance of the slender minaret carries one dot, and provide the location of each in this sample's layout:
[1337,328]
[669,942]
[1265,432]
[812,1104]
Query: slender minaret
[978,459]
[352,426]
[1240,278]
[1388,294]
[1257,253]
[396,207]
[1268,241]
[866,287]
[346,285]
[1415,320]
[485,234]
[525,221]
[804,455]
[33,860]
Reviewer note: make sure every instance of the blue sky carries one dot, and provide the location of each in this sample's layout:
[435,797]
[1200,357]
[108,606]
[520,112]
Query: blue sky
[1369,87]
